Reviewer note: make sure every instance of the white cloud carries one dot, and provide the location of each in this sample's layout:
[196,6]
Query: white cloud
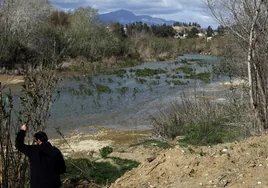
[178,10]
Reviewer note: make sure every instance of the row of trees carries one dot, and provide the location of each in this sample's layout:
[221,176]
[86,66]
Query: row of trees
[190,24]
[138,28]
[30,30]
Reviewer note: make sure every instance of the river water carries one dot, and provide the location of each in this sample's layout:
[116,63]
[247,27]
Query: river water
[133,107]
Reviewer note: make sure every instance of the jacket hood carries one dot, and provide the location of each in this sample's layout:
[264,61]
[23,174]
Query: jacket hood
[47,149]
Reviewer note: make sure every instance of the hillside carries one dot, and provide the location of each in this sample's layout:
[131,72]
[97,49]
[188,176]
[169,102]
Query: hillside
[125,17]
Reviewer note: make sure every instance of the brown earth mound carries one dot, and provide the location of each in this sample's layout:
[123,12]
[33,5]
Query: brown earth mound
[239,164]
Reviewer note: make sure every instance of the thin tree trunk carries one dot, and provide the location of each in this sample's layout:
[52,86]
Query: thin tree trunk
[253,103]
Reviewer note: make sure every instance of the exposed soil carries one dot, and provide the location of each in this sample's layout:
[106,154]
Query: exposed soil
[10,79]
[239,164]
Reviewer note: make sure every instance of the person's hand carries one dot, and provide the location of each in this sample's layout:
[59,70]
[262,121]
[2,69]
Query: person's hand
[23,127]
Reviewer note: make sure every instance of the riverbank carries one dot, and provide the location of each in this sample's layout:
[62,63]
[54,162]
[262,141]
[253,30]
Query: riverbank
[235,164]
[88,146]
[11,79]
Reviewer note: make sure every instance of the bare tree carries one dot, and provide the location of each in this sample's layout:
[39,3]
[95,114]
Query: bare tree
[247,21]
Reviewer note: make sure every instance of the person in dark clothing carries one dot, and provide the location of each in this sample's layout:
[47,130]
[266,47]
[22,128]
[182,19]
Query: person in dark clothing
[46,161]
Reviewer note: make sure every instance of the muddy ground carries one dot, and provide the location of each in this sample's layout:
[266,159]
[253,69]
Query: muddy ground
[239,164]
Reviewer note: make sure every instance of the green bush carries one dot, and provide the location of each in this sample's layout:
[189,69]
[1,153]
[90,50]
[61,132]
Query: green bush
[105,151]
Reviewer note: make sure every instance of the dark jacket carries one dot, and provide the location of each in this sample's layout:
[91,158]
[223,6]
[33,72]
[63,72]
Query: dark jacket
[46,163]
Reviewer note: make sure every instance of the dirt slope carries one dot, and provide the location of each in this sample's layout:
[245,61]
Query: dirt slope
[241,164]
[235,165]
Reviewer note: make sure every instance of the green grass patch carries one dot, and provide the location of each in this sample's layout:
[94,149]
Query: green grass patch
[102,173]
[208,133]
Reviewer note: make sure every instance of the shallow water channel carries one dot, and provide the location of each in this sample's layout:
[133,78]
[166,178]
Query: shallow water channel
[130,101]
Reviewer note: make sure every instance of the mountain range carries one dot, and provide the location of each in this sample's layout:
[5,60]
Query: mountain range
[125,17]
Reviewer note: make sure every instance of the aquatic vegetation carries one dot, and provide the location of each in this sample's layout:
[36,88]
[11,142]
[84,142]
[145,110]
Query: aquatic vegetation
[150,87]
[168,75]
[135,91]
[185,61]
[185,70]
[102,88]
[154,82]
[140,80]
[149,72]
[123,90]
[202,63]
[175,76]
[82,90]
[178,82]
[203,76]
[175,82]
[176,62]
[120,73]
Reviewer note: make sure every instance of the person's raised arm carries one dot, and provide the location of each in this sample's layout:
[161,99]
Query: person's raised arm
[20,141]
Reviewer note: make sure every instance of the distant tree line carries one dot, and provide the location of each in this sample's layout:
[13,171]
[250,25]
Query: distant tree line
[31,31]
[190,24]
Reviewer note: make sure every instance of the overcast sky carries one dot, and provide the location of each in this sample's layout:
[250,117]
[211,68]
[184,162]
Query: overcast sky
[178,10]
